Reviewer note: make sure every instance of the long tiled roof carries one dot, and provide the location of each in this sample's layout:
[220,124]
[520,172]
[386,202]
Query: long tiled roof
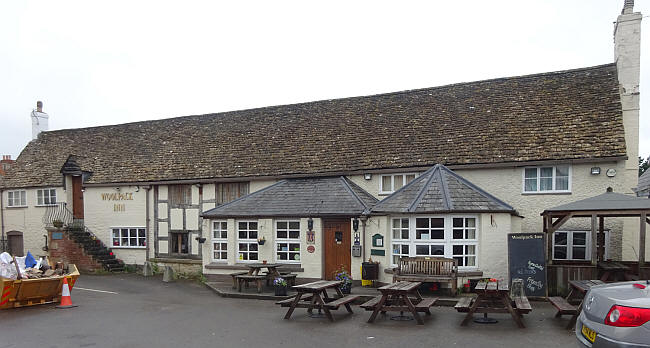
[300,198]
[574,114]
[439,190]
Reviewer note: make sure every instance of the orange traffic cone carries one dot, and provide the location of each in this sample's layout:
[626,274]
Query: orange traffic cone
[66,301]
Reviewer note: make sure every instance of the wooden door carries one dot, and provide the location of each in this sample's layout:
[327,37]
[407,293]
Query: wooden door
[77,198]
[15,241]
[337,242]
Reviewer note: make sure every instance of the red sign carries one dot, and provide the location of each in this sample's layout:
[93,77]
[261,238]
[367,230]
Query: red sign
[311,249]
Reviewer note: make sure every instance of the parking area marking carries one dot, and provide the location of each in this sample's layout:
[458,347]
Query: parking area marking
[94,290]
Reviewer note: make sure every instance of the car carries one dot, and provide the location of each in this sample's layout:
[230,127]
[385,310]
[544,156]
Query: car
[616,315]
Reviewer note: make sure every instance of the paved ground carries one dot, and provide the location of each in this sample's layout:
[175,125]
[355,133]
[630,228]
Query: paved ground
[148,313]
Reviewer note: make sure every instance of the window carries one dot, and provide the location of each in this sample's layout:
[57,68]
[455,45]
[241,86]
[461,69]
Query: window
[129,237]
[46,197]
[17,199]
[393,182]
[547,179]
[179,242]
[219,240]
[576,245]
[444,236]
[180,195]
[228,192]
[287,241]
[247,240]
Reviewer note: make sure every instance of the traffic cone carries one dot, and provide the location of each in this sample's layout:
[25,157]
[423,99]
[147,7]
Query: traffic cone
[66,301]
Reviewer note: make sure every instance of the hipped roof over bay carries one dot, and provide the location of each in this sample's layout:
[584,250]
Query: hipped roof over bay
[566,115]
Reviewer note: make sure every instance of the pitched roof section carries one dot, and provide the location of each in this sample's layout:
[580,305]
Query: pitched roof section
[333,196]
[644,184]
[608,201]
[439,190]
[574,114]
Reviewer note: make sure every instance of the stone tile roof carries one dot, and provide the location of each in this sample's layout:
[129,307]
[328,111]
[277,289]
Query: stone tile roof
[332,196]
[439,190]
[608,201]
[644,184]
[574,114]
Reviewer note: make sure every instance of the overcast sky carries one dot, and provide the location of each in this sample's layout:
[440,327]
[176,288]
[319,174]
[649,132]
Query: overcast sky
[95,63]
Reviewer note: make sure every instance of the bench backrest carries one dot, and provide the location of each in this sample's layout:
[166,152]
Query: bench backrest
[427,266]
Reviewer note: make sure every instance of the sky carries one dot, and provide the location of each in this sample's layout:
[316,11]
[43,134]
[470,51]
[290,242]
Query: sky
[97,63]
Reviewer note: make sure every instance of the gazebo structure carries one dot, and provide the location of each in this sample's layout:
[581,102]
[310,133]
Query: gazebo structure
[608,204]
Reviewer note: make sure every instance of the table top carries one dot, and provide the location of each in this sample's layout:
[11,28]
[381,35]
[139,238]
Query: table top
[318,285]
[585,285]
[400,287]
[485,286]
[612,266]
[264,265]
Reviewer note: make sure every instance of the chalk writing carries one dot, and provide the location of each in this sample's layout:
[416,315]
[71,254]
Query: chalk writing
[533,265]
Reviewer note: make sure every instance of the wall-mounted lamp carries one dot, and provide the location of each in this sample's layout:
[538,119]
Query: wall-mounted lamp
[198,185]
[355,224]
[137,188]
[310,224]
[595,170]
[83,189]
[200,239]
[367,176]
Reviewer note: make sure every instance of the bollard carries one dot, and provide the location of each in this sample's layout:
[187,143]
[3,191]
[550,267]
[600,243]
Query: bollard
[147,271]
[168,276]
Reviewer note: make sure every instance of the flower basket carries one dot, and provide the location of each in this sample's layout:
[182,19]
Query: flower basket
[280,286]
[344,276]
[57,223]
[261,241]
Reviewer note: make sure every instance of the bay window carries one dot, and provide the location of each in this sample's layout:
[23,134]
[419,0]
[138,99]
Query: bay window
[247,246]
[287,241]
[219,241]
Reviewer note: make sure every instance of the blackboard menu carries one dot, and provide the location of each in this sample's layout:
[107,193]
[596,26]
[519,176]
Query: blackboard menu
[527,261]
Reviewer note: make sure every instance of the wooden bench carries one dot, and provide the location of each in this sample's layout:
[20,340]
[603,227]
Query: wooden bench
[345,300]
[427,269]
[563,306]
[422,306]
[287,302]
[522,305]
[246,278]
[370,304]
[463,304]
[234,278]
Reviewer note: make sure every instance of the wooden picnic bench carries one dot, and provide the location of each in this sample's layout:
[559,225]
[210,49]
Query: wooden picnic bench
[427,269]
[563,304]
[395,297]
[314,296]
[493,297]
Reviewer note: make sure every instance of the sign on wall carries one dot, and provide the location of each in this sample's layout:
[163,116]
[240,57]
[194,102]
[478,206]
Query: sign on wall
[117,196]
[527,261]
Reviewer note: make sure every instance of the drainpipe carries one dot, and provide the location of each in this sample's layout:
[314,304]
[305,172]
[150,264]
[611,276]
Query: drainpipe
[363,232]
[2,218]
[147,188]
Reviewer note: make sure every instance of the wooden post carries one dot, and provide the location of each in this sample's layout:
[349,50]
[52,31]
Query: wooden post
[594,249]
[601,238]
[642,241]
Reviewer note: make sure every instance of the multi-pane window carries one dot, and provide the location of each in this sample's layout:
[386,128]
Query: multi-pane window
[247,246]
[46,197]
[180,195]
[129,237]
[219,240]
[393,182]
[17,199]
[287,241]
[547,179]
[575,245]
[179,242]
[444,236]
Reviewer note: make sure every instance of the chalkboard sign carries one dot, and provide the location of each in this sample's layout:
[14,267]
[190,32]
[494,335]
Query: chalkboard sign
[527,261]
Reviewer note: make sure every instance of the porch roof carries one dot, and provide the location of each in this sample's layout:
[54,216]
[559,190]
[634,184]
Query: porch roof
[440,190]
[608,203]
[331,196]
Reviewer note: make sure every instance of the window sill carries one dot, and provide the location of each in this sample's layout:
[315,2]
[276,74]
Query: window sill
[45,205]
[546,193]
[242,266]
[17,207]
[129,247]
[172,259]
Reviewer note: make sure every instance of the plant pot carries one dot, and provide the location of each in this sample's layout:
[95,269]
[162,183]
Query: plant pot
[57,223]
[280,291]
[261,242]
[346,288]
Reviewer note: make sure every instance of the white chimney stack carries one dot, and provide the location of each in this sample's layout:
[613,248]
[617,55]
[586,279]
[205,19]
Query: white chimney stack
[39,120]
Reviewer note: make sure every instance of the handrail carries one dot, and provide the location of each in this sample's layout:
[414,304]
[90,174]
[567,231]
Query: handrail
[57,215]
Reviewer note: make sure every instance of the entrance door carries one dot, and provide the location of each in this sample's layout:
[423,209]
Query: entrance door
[15,241]
[77,198]
[337,244]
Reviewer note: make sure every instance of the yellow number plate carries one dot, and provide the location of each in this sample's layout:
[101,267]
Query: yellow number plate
[588,333]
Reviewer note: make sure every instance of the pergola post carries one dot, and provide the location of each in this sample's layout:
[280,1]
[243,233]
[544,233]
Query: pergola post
[601,238]
[594,239]
[642,241]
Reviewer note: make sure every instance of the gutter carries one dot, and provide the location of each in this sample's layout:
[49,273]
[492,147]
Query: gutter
[148,220]
[2,218]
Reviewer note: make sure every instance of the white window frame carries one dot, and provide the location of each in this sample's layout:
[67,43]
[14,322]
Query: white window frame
[249,241]
[554,180]
[41,197]
[569,245]
[129,230]
[217,237]
[11,199]
[448,242]
[382,189]
[288,241]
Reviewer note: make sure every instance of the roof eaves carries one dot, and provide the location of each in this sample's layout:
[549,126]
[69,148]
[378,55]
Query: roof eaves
[209,212]
[346,184]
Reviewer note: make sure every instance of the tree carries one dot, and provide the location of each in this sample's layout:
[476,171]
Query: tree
[643,165]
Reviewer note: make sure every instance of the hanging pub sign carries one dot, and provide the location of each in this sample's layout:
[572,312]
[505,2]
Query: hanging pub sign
[311,237]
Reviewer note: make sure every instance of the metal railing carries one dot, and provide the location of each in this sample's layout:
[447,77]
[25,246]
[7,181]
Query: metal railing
[58,216]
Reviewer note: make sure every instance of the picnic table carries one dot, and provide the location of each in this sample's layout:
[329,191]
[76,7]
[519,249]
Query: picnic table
[395,297]
[615,271]
[493,297]
[578,290]
[253,275]
[254,268]
[314,296]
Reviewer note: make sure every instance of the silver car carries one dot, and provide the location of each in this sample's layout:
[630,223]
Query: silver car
[616,315]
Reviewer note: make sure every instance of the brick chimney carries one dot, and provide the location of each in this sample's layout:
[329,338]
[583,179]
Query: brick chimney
[5,163]
[627,55]
[39,120]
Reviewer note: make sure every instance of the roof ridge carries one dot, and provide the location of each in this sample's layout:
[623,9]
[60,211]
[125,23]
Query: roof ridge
[445,189]
[418,198]
[346,185]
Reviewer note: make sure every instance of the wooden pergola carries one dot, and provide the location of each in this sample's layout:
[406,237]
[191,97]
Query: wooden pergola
[598,208]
